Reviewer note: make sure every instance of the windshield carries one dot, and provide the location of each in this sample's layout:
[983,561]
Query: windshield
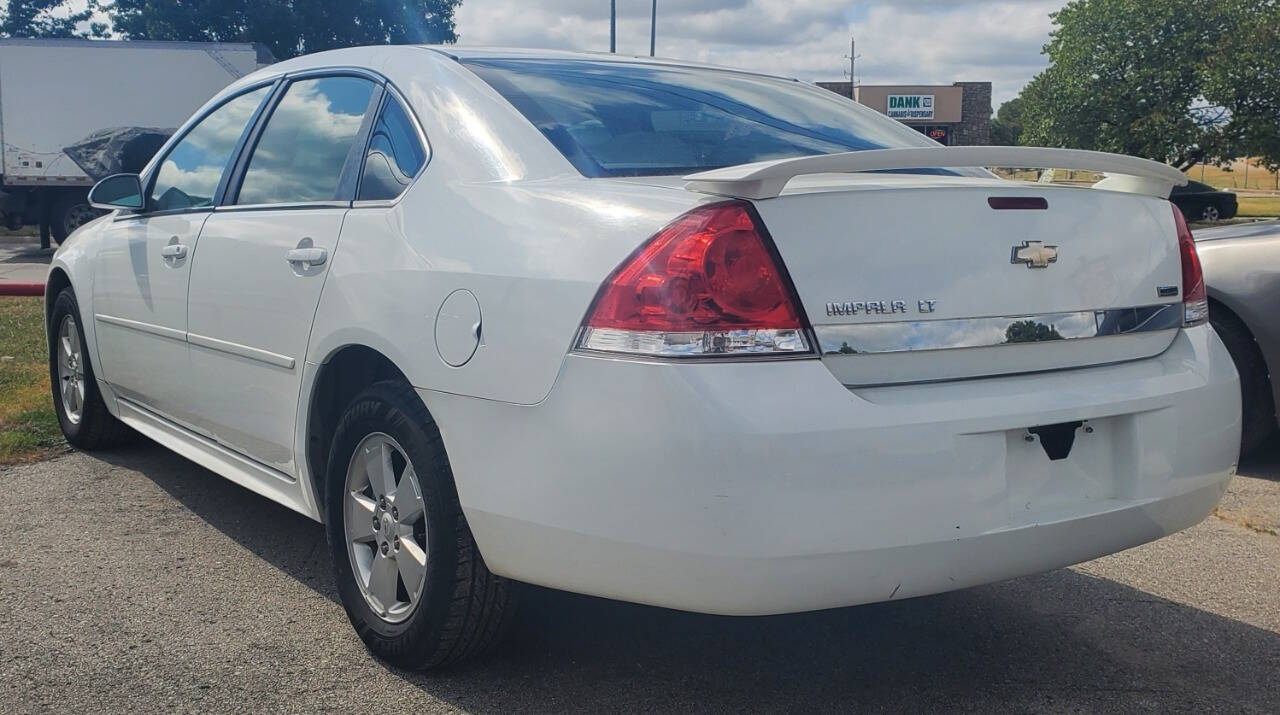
[621,119]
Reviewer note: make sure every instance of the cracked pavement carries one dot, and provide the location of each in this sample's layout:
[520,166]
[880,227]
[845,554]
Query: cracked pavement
[136,581]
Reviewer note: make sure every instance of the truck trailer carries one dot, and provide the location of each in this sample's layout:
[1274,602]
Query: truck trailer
[72,110]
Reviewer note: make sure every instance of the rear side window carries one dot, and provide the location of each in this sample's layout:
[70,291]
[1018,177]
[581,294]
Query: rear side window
[394,157]
[190,173]
[624,119]
[303,148]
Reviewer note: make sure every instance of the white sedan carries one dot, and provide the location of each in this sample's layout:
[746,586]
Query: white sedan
[671,334]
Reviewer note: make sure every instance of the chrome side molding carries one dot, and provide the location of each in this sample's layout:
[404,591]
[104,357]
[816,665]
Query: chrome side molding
[919,335]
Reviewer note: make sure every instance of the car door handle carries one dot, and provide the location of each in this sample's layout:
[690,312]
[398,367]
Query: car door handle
[174,250]
[307,256]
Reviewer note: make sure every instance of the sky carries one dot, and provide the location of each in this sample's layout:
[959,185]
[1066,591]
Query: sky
[899,42]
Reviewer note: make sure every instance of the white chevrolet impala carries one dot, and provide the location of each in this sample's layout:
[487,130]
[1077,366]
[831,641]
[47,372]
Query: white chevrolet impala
[671,334]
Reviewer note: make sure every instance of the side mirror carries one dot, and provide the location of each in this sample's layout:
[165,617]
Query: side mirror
[119,191]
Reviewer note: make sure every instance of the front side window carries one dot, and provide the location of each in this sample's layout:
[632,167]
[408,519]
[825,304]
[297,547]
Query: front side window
[300,156]
[190,173]
[394,157]
[633,119]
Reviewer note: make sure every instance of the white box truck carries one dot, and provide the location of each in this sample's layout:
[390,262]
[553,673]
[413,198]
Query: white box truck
[104,97]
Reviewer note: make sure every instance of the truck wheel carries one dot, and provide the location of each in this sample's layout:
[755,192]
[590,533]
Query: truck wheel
[69,213]
[407,568]
[81,411]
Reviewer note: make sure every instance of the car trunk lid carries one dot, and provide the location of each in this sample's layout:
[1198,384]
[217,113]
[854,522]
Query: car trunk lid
[909,279]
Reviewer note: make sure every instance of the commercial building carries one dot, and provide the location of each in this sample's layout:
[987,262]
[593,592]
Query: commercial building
[956,115]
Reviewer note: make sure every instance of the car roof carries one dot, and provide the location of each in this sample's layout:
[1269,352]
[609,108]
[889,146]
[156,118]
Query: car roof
[465,53]
[375,55]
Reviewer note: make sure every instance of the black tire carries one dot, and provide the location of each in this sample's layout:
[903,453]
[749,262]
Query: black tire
[96,427]
[464,609]
[1257,404]
[70,211]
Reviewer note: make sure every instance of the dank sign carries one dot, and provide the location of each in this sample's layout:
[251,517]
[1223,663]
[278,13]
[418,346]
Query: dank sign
[910,106]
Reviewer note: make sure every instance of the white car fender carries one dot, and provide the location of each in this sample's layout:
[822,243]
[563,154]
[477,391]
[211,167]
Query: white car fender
[74,259]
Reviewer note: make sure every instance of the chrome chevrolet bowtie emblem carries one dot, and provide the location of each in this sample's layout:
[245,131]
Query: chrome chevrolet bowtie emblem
[1035,254]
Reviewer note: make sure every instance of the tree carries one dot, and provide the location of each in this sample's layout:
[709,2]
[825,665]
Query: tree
[43,18]
[288,27]
[1243,76]
[1030,331]
[1178,81]
[1006,128]
[1124,76]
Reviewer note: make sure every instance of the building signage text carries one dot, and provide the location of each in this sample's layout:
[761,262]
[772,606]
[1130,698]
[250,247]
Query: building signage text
[910,106]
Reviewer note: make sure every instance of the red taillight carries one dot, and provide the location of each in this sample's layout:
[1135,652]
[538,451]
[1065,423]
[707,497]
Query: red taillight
[1195,300]
[705,284]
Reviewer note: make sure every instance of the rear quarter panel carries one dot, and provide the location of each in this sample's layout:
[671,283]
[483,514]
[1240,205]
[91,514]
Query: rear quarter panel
[533,255]
[497,211]
[1243,274]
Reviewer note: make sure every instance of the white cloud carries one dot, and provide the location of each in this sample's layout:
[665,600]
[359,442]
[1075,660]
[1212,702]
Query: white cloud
[195,165]
[306,140]
[910,41]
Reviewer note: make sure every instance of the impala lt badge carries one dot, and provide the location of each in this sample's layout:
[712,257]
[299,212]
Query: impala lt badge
[878,307]
[1034,254]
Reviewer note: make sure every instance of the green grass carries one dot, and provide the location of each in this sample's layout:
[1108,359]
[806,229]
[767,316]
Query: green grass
[1259,206]
[28,426]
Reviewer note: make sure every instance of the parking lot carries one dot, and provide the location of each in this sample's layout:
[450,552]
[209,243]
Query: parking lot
[141,582]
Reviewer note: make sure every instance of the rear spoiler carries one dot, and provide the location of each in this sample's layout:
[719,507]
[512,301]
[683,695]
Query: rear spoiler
[766,179]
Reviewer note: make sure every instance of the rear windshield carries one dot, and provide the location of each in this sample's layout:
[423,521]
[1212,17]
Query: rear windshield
[618,119]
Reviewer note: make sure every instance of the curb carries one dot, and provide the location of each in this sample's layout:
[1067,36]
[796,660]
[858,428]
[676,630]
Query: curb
[25,289]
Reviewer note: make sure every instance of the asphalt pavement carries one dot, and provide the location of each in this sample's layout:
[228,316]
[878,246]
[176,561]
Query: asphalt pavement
[135,581]
[22,261]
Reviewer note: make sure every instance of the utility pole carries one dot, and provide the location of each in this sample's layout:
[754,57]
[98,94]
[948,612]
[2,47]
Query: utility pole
[653,27]
[613,25]
[853,67]
[853,60]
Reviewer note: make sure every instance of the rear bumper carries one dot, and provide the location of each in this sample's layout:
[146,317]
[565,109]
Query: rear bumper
[754,488]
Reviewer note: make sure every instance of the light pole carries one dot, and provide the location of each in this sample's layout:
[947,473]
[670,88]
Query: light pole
[653,27]
[613,25]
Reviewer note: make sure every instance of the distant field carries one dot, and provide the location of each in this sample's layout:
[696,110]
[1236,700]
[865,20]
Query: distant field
[1233,177]
[1259,206]
[1059,177]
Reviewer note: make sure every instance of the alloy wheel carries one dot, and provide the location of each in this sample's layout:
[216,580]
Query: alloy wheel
[384,518]
[70,369]
[1210,213]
